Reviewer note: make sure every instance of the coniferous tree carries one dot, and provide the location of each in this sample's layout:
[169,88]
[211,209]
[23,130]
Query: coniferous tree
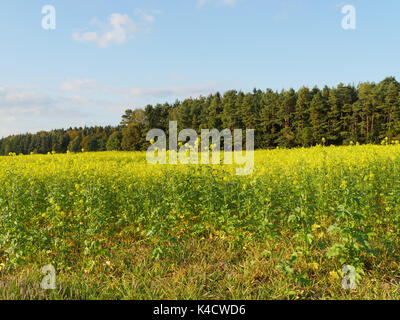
[367,113]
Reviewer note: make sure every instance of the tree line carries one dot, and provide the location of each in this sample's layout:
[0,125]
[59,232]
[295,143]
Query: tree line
[345,114]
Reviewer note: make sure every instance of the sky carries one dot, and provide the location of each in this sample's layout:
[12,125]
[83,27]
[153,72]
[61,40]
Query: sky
[104,56]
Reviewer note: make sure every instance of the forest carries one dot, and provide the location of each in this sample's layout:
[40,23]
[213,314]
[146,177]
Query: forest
[341,115]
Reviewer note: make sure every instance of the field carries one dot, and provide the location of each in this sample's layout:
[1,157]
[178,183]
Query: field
[116,227]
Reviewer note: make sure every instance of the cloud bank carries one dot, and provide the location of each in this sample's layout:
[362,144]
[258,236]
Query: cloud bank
[77,102]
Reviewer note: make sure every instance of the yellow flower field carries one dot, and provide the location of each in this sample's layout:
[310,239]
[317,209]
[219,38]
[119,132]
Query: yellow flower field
[116,227]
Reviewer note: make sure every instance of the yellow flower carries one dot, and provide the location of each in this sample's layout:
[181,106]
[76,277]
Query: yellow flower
[371,176]
[333,276]
[314,266]
[315,227]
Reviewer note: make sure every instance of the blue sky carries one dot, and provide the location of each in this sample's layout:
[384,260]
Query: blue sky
[106,56]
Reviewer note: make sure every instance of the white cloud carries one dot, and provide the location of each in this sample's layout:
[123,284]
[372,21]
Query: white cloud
[85,86]
[168,92]
[21,98]
[79,85]
[145,16]
[10,119]
[118,30]
[201,3]
[26,108]
[30,109]
[28,102]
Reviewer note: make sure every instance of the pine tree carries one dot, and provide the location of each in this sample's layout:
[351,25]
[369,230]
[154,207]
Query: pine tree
[318,117]
[302,116]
